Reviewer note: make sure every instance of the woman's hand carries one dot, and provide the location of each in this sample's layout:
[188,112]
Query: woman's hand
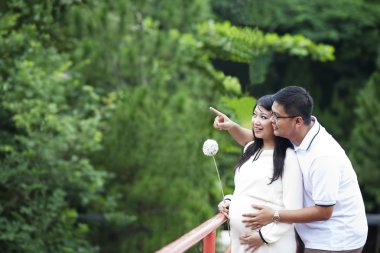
[221,121]
[224,207]
[252,241]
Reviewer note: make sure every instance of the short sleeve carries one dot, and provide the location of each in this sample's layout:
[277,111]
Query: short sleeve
[325,177]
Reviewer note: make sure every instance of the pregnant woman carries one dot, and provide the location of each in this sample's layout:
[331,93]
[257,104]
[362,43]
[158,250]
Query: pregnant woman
[266,174]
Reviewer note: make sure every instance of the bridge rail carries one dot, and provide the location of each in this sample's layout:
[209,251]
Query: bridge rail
[205,231]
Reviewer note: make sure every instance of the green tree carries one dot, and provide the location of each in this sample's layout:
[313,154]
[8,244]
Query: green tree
[98,31]
[365,147]
[49,128]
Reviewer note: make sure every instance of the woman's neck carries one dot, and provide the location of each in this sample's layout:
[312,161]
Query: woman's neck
[268,144]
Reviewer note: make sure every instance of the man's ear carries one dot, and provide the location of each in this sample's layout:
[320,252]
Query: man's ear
[299,121]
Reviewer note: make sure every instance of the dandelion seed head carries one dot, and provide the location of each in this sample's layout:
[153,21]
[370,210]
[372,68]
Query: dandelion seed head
[210,147]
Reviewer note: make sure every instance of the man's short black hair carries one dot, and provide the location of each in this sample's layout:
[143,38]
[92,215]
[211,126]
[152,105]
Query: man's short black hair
[296,102]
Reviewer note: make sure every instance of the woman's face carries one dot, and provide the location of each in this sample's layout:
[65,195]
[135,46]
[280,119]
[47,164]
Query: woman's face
[262,124]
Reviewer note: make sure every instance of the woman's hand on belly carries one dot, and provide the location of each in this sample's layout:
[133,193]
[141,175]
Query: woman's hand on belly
[251,240]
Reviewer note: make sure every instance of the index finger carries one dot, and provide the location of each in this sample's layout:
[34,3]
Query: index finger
[218,113]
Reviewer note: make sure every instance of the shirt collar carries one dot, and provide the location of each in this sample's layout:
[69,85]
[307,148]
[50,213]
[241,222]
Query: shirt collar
[310,136]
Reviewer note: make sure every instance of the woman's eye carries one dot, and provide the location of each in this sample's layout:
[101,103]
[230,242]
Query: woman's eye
[264,117]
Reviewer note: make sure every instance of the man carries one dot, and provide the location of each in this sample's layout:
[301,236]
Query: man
[333,218]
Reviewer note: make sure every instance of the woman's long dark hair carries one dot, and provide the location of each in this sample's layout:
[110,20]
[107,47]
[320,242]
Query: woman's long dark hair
[255,149]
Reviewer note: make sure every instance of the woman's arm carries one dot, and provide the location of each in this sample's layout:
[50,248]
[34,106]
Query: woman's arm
[240,134]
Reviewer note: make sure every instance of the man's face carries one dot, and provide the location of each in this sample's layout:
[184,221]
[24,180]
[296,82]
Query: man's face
[283,124]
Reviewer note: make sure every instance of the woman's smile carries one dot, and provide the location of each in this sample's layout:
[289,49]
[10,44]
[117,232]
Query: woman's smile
[257,130]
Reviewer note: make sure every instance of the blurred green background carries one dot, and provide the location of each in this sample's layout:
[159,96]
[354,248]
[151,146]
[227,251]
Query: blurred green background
[104,109]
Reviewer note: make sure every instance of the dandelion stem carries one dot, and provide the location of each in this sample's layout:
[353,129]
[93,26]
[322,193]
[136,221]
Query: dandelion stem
[221,187]
[220,181]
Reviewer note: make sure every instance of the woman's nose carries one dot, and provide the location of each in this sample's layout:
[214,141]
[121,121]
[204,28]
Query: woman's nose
[255,122]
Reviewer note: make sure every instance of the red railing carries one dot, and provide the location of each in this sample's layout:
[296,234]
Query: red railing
[205,231]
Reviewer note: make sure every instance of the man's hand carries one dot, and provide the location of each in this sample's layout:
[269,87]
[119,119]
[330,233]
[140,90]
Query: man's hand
[251,240]
[221,121]
[262,217]
[224,207]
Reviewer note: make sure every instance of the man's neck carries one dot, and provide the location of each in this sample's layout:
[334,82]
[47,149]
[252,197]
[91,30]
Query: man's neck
[302,133]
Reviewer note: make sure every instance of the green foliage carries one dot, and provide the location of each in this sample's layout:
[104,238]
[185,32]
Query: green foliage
[179,14]
[49,128]
[153,140]
[101,32]
[243,108]
[258,68]
[154,148]
[365,146]
[252,46]
[241,44]
[318,20]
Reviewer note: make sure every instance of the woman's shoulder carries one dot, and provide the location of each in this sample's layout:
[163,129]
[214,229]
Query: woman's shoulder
[248,144]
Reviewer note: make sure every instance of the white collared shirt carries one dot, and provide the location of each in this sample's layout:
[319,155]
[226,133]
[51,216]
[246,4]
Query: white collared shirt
[329,179]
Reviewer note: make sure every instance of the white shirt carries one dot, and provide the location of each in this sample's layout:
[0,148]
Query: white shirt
[329,179]
[252,187]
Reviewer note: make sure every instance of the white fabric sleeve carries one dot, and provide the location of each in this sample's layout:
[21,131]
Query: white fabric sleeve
[292,185]
[228,197]
[325,177]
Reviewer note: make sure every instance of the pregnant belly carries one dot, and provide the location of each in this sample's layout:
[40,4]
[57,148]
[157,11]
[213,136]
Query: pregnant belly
[241,205]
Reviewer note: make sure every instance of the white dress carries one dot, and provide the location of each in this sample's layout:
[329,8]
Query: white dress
[252,187]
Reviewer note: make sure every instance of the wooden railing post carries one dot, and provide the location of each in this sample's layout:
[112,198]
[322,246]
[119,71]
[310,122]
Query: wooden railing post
[209,243]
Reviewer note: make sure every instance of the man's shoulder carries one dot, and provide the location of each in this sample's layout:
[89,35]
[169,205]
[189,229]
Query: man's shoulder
[325,142]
